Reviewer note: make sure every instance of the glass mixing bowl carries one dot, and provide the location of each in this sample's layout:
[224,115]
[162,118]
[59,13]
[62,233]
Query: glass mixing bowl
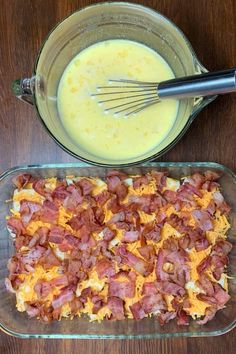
[103,21]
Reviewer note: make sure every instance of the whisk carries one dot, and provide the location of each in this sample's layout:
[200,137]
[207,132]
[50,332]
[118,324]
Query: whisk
[129,96]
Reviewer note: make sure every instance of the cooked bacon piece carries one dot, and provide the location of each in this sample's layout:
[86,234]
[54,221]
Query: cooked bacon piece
[16,226]
[165,317]
[73,199]
[204,264]
[220,202]
[160,274]
[85,294]
[147,252]
[135,262]
[203,219]
[56,234]
[201,244]
[137,311]
[65,296]
[152,303]
[210,314]
[160,179]
[43,234]
[152,231]
[223,247]
[102,197]
[60,192]
[39,185]
[49,259]
[121,289]
[108,234]
[117,217]
[211,176]
[185,195]
[219,297]
[130,236]
[122,176]
[105,268]
[218,263]
[86,185]
[182,318]
[196,180]
[48,213]
[192,189]
[116,305]
[166,287]
[170,196]
[21,181]
[205,283]
[98,303]
[116,186]
[33,256]
[149,288]
[211,208]
[140,203]
[139,181]
[75,306]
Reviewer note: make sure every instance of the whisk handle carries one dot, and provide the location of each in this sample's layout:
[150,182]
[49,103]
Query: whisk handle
[211,83]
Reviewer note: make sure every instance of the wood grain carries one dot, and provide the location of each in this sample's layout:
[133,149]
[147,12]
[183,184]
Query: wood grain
[211,28]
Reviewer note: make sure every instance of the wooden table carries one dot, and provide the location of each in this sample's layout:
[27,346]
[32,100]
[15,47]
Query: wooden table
[211,27]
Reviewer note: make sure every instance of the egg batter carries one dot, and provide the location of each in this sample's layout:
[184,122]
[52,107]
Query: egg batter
[106,135]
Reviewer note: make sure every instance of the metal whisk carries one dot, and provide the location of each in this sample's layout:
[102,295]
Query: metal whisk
[129,97]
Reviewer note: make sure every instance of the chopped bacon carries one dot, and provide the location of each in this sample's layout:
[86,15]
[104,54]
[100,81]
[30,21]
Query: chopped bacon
[169,288]
[117,217]
[102,197]
[149,288]
[182,318]
[56,234]
[21,181]
[121,289]
[73,199]
[43,234]
[204,264]
[223,247]
[122,176]
[60,192]
[139,181]
[115,185]
[152,231]
[39,185]
[135,262]
[116,306]
[210,314]
[86,185]
[160,179]
[193,189]
[16,226]
[147,251]
[201,244]
[104,268]
[98,303]
[130,236]
[65,296]
[203,219]
[165,317]
[170,196]
[108,234]
[137,311]
[49,259]
[219,297]
[205,283]
[48,213]
[152,303]
[211,176]
[196,180]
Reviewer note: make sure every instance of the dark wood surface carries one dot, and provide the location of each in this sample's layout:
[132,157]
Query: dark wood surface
[210,26]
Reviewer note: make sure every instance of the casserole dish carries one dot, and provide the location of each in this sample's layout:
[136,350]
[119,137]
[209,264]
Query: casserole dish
[18,324]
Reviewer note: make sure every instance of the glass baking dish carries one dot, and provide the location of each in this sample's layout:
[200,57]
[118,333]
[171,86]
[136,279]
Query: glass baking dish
[18,324]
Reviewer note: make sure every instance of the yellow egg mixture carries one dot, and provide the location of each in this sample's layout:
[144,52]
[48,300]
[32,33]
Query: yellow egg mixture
[107,135]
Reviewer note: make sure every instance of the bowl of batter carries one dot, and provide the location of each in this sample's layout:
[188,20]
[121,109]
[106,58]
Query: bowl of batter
[112,40]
